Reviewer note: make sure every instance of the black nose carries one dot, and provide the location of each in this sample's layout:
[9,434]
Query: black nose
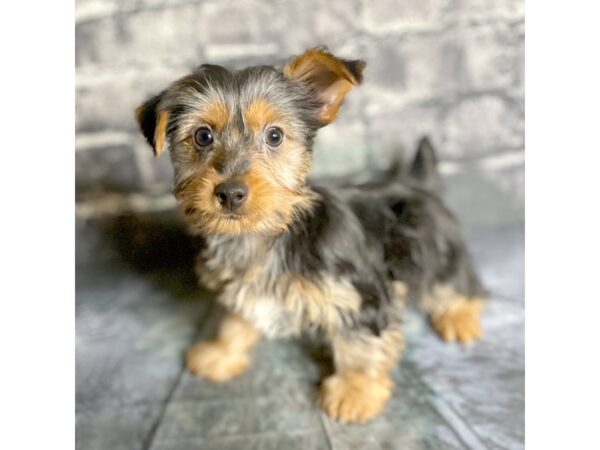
[232,194]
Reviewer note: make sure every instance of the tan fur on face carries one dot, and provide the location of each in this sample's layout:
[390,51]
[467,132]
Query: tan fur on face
[215,114]
[259,113]
[453,316]
[269,208]
[275,179]
[226,356]
[271,205]
[354,396]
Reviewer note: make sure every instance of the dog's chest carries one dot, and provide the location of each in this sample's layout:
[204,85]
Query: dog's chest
[254,282]
[247,273]
[265,311]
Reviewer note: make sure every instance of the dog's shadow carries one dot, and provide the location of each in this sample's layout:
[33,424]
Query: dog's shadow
[158,247]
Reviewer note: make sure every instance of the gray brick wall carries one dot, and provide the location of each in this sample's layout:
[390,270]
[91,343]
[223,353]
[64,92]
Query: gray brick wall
[452,69]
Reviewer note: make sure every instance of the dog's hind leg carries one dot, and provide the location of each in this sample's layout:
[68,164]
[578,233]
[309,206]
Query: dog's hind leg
[454,316]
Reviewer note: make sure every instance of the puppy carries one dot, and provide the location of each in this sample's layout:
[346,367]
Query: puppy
[289,258]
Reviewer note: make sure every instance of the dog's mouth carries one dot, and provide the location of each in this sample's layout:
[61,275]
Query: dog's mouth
[220,215]
[223,221]
[232,216]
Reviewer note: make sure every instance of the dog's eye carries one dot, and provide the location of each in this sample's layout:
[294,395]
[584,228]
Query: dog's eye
[274,136]
[203,137]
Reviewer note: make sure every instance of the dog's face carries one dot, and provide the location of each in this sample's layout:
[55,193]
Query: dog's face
[240,141]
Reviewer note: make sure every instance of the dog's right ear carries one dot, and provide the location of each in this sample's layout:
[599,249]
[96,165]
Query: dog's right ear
[153,123]
[328,78]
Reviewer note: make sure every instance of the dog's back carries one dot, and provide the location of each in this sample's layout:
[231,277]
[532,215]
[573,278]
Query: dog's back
[422,240]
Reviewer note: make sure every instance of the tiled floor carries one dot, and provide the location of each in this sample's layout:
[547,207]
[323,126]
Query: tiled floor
[138,308]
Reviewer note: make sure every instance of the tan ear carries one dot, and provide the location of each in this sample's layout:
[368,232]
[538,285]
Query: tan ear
[153,124]
[328,77]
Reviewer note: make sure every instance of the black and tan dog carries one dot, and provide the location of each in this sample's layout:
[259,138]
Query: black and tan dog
[289,258]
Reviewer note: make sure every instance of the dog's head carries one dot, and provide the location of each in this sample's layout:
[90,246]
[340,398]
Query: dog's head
[241,141]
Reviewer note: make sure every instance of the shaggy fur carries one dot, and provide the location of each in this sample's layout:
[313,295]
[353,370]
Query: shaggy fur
[289,258]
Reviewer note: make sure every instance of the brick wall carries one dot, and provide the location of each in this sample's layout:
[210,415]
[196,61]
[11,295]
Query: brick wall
[452,69]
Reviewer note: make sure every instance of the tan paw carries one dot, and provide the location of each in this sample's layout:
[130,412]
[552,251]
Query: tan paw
[459,322]
[215,361]
[354,397]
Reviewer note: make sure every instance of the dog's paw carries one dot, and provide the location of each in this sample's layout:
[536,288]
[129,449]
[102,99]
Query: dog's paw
[459,322]
[354,397]
[215,361]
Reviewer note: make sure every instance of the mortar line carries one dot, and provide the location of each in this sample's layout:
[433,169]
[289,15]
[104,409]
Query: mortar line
[459,426]
[151,436]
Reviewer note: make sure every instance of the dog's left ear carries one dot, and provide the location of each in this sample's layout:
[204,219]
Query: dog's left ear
[329,79]
[153,123]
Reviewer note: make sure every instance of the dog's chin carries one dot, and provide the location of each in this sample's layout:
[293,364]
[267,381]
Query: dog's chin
[235,224]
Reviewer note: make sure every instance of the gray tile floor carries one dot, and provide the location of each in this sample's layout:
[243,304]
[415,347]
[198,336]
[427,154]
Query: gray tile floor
[138,308]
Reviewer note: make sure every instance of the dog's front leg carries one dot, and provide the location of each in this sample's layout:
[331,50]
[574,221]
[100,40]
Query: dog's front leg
[227,355]
[361,384]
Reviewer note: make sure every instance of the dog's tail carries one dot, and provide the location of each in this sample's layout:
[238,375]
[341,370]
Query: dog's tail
[424,169]
[422,172]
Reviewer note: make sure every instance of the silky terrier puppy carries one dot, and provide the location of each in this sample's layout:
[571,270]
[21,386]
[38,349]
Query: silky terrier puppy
[289,258]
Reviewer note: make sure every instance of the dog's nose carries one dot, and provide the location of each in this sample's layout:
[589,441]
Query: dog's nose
[231,195]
